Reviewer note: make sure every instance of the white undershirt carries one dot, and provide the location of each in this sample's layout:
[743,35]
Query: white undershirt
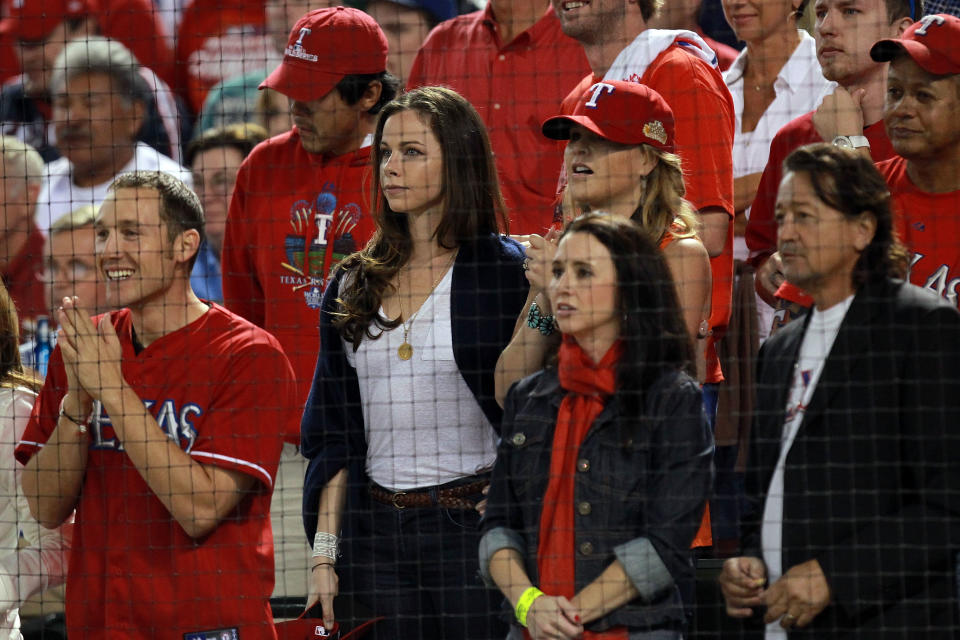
[424,426]
[817,342]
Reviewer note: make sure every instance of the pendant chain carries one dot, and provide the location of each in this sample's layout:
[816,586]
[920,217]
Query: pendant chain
[405,351]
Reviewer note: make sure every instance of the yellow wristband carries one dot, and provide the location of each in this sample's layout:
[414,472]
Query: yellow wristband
[525,602]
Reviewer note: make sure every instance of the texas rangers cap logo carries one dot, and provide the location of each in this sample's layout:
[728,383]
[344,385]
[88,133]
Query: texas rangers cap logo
[296,51]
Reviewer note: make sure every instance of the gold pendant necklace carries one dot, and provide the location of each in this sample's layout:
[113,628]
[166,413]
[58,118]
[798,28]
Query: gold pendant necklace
[405,350]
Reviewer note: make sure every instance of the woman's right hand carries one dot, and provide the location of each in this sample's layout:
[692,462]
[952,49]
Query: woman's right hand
[324,586]
[539,258]
[553,618]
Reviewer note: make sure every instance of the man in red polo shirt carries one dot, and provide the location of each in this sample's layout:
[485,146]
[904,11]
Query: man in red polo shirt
[513,63]
[843,40]
[21,243]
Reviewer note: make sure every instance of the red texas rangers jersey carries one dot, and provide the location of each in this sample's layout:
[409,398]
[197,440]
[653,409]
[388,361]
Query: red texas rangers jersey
[219,388]
[927,224]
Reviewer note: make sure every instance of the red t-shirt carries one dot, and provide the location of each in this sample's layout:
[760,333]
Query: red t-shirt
[704,117]
[288,203]
[217,387]
[515,87]
[725,53]
[761,233]
[928,225]
[24,283]
[216,41]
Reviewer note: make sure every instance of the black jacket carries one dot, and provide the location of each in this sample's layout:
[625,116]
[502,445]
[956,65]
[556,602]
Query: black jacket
[872,481]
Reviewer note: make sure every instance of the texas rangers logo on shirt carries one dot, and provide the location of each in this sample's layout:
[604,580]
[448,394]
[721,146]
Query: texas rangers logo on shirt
[320,237]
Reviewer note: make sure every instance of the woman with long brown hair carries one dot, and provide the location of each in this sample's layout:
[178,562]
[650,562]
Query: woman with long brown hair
[401,424]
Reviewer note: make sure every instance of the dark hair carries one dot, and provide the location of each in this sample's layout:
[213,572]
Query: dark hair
[472,203]
[848,182]
[899,9]
[652,328]
[11,367]
[243,137]
[352,87]
[180,208]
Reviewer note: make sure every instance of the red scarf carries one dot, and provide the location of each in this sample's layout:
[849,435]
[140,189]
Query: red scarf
[588,385]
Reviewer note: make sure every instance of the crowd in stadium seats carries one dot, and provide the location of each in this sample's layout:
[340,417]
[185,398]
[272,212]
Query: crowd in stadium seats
[530,313]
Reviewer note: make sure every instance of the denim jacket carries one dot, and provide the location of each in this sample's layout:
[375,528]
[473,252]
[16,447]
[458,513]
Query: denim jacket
[640,492]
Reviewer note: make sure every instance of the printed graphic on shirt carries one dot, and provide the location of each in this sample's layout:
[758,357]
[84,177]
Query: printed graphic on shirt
[936,277]
[800,407]
[175,421]
[316,225]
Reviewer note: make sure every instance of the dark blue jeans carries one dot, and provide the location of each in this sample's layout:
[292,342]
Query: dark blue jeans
[417,567]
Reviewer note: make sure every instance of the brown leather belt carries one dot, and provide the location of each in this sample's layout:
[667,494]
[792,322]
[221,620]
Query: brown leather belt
[452,498]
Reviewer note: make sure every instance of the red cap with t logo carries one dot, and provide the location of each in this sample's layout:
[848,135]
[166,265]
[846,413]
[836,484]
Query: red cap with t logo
[624,112]
[933,42]
[324,46]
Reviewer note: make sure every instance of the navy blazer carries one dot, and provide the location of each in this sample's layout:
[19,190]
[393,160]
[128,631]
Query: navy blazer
[872,481]
[488,292]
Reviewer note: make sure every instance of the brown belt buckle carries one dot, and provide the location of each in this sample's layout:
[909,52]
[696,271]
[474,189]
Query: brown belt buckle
[394,499]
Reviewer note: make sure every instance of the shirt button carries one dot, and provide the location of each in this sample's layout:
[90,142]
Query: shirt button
[584,508]
[502,57]
[586,548]
[496,105]
[519,439]
[583,465]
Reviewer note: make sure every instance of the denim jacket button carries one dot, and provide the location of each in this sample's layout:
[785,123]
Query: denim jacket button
[584,508]
[519,439]
[583,465]
[586,548]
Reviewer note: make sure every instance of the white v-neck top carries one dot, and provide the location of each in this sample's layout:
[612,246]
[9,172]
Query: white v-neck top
[424,426]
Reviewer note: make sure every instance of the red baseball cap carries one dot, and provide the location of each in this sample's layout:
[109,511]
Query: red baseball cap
[933,42]
[324,46]
[624,112]
[35,20]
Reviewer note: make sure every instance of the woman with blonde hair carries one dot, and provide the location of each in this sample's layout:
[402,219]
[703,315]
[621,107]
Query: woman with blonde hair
[619,160]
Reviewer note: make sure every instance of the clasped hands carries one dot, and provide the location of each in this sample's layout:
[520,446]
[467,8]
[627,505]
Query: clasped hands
[795,599]
[554,618]
[91,353]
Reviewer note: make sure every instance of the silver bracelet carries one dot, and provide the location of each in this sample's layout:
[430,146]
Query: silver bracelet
[326,545]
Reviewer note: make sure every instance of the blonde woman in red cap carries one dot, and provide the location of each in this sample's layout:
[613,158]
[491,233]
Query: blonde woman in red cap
[619,160]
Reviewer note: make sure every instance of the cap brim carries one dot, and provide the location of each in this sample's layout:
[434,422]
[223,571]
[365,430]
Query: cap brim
[886,50]
[935,63]
[558,127]
[299,83]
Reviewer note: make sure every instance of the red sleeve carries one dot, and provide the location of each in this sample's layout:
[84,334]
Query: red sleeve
[242,292]
[703,111]
[136,24]
[245,425]
[46,410]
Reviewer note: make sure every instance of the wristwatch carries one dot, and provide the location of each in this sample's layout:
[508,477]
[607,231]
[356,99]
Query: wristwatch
[851,142]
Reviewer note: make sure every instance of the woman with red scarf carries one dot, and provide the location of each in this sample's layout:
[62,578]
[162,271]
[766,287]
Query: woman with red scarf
[604,465]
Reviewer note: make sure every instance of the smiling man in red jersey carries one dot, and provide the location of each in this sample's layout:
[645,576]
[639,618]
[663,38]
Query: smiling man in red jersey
[922,115]
[157,424]
[845,30]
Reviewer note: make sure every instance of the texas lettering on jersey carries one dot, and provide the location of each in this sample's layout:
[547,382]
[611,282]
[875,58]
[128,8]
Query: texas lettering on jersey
[315,226]
[175,421]
[936,277]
